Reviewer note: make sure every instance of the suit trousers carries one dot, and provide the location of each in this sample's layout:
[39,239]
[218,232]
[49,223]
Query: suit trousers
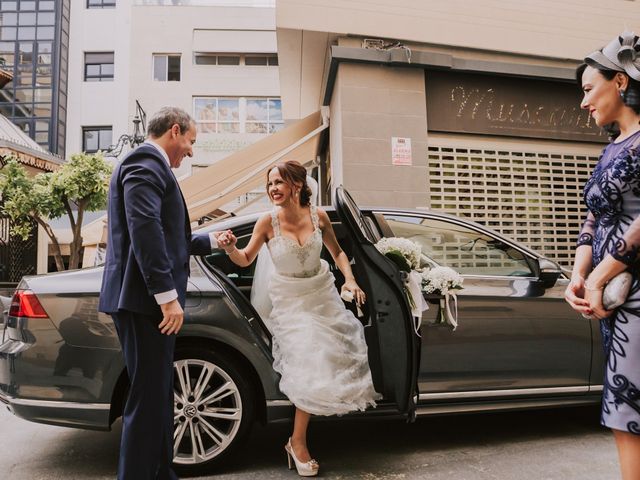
[146,446]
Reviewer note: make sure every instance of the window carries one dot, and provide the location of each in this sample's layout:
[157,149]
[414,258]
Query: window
[98,67]
[101,3]
[7,53]
[212,59]
[261,60]
[467,251]
[263,115]
[96,138]
[217,115]
[237,115]
[258,59]
[166,68]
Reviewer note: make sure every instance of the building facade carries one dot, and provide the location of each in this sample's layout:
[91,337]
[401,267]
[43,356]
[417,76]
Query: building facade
[215,59]
[34,44]
[462,107]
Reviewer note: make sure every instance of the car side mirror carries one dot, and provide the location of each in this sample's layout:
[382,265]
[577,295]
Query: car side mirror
[549,272]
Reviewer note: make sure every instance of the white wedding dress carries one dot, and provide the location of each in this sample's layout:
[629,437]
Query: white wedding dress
[318,345]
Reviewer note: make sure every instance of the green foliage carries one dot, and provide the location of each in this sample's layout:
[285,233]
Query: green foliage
[82,183]
[398,258]
[19,197]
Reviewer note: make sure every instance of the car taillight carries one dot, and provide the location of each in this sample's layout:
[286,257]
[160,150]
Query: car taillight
[25,304]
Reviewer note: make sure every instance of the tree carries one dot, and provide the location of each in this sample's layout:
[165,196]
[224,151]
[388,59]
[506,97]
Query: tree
[78,186]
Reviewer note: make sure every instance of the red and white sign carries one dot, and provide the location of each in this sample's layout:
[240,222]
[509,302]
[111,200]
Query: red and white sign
[401,151]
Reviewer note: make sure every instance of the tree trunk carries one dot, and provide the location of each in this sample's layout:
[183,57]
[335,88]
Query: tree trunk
[76,244]
[57,253]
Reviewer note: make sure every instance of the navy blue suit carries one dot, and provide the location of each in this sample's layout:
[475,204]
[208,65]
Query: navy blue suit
[148,249]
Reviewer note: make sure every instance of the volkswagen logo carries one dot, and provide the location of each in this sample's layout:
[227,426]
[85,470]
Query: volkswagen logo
[190,411]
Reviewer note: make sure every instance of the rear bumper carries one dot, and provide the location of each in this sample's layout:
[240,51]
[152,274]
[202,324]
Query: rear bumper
[92,416]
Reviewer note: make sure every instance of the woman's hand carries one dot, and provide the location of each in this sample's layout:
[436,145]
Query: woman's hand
[593,295]
[350,285]
[227,241]
[575,296]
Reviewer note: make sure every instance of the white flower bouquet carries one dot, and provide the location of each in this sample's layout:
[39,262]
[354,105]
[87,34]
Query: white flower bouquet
[444,281]
[406,255]
[402,251]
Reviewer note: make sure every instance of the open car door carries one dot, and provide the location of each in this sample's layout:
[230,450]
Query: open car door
[392,341]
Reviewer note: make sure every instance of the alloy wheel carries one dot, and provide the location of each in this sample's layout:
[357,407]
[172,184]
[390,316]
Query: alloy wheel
[207,411]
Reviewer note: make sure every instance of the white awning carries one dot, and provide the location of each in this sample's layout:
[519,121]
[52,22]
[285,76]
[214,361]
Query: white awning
[246,169]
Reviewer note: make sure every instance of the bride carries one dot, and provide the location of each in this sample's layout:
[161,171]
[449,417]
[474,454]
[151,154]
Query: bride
[318,345]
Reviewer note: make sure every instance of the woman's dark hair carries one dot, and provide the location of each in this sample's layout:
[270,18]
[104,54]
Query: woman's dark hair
[294,174]
[630,97]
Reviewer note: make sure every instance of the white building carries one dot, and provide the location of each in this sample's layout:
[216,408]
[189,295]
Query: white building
[215,59]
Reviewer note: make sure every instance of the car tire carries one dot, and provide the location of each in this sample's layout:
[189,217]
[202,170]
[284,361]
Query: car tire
[217,411]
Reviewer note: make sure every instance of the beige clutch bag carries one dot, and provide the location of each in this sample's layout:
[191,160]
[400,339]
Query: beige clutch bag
[616,291]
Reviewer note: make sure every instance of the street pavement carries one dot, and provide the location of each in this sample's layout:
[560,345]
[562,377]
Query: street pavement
[562,444]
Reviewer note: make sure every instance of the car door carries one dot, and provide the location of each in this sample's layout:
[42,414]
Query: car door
[516,335]
[392,342]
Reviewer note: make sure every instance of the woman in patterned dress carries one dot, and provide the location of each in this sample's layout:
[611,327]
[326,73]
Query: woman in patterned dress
[319,348]
[609,242]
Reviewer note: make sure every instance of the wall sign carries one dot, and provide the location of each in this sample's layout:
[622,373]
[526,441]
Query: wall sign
[401,151]
[519,107]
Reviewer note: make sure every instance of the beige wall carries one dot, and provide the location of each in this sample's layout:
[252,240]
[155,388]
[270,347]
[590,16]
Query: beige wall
[372,104]
[560,29]
[185,30]
[540,32]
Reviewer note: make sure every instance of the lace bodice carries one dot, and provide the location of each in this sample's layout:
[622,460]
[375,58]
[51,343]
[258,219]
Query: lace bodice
[292,259]
[612,195]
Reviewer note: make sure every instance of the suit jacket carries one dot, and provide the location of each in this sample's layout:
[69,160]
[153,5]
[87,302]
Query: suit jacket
[149,236]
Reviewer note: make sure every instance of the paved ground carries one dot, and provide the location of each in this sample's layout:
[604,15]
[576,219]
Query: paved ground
[565,444]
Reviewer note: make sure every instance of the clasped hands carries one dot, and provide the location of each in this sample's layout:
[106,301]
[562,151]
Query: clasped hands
[586,297]
[227,241]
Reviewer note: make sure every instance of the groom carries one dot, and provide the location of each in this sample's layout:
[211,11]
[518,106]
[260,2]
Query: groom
[144,286]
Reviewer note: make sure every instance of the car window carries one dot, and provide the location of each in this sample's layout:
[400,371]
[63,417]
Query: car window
[363,224]
[240,275]
[467,251]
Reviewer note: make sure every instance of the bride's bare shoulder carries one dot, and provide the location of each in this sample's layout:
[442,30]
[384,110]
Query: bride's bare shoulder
[264,222]
[263,227]
[323,217]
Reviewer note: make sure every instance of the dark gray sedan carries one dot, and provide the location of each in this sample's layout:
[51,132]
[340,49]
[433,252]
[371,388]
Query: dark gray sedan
[518,345]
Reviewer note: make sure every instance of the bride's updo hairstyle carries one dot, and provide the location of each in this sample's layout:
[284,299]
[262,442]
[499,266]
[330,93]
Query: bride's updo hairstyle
[294,174]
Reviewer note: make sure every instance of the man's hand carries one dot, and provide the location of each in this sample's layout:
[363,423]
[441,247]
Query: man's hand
[227,241]
[172,317]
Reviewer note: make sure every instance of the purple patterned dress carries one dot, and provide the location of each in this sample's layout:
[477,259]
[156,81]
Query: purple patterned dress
[612,196]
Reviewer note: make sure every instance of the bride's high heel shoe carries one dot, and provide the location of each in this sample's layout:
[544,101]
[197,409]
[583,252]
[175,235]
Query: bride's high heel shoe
[305,469]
